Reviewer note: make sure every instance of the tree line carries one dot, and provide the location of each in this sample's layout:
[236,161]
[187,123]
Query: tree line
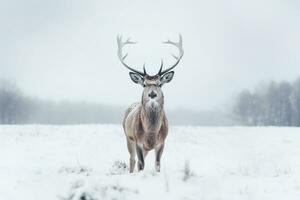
[17,108]
[273,103]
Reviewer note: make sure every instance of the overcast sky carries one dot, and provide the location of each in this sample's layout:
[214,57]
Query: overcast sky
[66,49]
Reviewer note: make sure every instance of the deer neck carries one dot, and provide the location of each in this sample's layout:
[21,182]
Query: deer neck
[152,117]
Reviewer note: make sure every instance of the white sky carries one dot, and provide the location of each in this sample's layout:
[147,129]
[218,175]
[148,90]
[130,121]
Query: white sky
[66,49]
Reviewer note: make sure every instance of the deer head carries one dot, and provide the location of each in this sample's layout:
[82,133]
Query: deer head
[152,95]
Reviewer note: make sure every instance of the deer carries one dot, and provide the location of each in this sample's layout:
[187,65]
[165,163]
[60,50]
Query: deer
[145,123]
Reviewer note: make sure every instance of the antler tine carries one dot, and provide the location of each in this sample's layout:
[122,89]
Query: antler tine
[144,68]
[121,44]
[161,66]
[178,58]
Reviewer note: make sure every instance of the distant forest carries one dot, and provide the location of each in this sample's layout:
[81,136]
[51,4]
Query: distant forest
[270,104]
[18,108]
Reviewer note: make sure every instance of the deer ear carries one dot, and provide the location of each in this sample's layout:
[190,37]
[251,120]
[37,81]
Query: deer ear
[136,78]
[167,77]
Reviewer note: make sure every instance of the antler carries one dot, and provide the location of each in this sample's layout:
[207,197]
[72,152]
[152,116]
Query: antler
[121,44]
[178,58]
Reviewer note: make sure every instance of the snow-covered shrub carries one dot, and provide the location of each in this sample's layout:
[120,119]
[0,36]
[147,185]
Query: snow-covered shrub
[187,172]
[119,167]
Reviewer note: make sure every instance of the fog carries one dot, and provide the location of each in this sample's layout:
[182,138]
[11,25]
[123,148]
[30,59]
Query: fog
[66,50]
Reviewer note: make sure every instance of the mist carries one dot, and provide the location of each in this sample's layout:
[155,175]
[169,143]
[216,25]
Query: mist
[66,51]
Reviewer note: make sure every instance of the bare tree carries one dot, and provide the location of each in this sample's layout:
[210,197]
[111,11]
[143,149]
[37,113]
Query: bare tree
[268,105]
[295,103]
[243,106]
[11,103]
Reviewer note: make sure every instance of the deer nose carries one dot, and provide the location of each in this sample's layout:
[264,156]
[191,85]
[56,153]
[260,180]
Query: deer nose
[152,94]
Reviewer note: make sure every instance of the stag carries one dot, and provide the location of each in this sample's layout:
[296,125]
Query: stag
[145,123]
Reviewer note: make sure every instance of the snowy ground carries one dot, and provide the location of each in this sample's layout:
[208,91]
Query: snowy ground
[87,163]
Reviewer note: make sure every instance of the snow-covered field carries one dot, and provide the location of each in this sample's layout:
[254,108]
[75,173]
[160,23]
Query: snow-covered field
[86,162]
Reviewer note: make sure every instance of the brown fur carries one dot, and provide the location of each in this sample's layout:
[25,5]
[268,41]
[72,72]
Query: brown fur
[142,133]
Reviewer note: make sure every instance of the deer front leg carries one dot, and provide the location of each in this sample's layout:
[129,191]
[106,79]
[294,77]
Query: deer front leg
[131,149]
[158,152]
[140,156]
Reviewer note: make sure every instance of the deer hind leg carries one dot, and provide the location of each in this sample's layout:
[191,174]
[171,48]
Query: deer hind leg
[140,155]
[132,152]
[158,152]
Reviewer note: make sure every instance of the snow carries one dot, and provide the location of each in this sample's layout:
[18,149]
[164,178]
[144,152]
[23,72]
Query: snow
[87,162]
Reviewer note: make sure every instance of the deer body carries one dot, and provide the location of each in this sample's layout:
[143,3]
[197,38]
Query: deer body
[145,123]
[144,133]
